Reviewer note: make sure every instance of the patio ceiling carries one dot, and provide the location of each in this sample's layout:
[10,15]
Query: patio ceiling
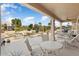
[59,11]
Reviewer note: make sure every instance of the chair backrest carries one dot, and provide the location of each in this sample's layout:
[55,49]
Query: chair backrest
[75,38]
[45,37]
[70,32]
[78,37]
[78,31]
[28,45]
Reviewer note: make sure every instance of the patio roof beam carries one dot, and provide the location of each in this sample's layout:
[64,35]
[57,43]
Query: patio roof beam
[39,8]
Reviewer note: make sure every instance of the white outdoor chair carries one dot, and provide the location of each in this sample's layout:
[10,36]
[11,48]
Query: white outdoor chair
[66,36]
[61,37]
[45,37]
[78,37]
[78,32]
[37,51]
[70,33]
[72,43]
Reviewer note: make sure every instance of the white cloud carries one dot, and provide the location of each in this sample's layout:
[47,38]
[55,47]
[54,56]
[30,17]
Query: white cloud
[4,13]
[7,21]
[44,18]
[25,21]
[28,20]
[4,8]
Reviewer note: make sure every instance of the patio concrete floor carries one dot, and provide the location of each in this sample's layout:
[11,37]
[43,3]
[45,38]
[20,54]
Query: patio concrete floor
[20,47]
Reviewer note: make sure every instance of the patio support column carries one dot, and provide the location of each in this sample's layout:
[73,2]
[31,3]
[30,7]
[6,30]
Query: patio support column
[72,26]
[53,29]
[61,26]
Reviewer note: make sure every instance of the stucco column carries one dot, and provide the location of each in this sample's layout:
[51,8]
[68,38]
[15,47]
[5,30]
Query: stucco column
[61,26]
[53,29]
[73,26]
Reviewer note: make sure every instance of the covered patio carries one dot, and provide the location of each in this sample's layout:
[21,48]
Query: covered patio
[63,12]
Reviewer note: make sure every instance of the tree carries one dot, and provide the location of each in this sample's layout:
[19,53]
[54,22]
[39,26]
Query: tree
[36,27]
[49,26]
[16,23]
[30,27]
[40,26]
[5,26]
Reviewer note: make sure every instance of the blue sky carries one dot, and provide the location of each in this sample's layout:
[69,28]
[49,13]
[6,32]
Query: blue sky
[27,16]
